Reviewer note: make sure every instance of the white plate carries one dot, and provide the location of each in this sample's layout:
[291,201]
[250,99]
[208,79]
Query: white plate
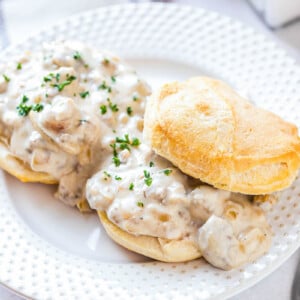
[50,251]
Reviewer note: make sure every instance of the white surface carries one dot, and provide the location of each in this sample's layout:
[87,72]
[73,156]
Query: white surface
[275,286]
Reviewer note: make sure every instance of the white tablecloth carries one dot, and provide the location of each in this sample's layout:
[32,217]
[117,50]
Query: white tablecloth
[22,18]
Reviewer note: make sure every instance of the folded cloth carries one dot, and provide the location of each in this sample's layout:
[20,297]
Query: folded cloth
[278,12]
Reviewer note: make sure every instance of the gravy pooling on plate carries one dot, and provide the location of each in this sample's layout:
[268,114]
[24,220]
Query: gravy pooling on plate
[57,105]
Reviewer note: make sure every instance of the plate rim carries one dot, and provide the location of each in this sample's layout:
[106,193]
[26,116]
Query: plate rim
[247,283]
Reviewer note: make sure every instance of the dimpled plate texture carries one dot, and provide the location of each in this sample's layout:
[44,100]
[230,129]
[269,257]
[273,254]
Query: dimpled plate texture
[198,38]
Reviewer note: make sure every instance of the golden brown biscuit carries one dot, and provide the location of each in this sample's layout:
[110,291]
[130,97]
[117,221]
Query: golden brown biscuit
[20,170]
[156,248]
[210,132]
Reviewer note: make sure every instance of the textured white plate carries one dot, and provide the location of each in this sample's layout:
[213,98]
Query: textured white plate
[49,251]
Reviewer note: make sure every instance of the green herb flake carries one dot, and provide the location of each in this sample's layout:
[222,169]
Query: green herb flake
[129,111]
[123,140]
[167,172]
[116,161]
[113,79]
[135,98]
[114,147]
[135,142]
[140,204]
[83,95]
[104,86]
[151,164]
[131,186]
[77,55]
[118,177]
[22,108]
[48,77]
[113,107]
[103,109]
[38,107]
[124,146]
[148,179]
[62,85]
[57,77]
[19,66]
[6,78]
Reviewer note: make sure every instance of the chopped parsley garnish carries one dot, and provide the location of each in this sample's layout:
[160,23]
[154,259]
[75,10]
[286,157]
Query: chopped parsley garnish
[140,204]
[114,147]
[116,161]
[129,111]
[77,55]
[103,109]
[84,94]
[131,186]
[6,78]
[123,140]
[38,107]
[118,177]
[151,164]
[135,98]
[86,66]
[62,85]
[48,77]
[113,78]
[104,86]
[135,142]
[19,66]
[122,144]
[57,77]
[167,172]
[113,107]
[22,108]
[148,179]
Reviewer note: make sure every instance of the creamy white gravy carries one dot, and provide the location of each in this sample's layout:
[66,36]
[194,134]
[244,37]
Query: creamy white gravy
[58,105]
[145,194]
[72,112]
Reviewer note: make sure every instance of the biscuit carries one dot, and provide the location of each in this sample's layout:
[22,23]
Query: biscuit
[210,132]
